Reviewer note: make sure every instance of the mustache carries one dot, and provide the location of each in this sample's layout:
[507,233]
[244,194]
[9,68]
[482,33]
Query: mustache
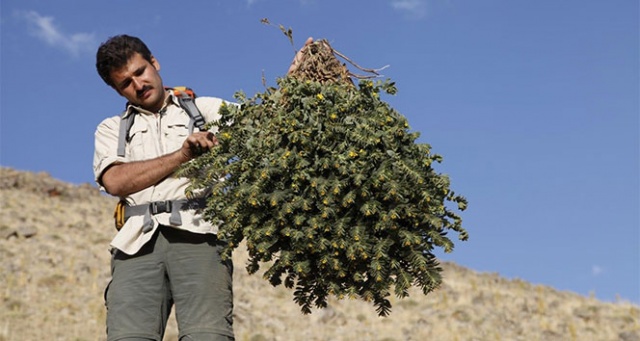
[143,90]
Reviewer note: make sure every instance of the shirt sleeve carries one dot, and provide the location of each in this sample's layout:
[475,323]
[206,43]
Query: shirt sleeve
[210,107]
[106,147]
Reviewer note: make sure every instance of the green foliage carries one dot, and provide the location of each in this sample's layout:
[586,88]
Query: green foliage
[327,184]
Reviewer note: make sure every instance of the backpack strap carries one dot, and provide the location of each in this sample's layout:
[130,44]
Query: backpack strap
[125,125]
[186,98]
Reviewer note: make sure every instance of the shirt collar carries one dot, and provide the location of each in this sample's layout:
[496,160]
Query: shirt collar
[133,108]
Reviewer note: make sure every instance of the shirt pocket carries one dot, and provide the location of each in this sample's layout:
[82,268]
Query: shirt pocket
[177,130]
[138,134]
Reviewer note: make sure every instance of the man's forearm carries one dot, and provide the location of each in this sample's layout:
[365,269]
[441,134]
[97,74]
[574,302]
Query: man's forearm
[127,178]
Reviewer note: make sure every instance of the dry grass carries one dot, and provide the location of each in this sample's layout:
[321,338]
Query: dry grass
[55,263]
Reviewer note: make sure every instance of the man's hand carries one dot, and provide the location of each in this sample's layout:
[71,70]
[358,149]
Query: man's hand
[122,179]
[299,56]
[198,143]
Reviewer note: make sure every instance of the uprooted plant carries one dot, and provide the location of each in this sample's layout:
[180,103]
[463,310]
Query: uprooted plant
[328,187]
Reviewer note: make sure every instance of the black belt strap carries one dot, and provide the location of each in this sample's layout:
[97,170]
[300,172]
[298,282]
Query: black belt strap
[168,206]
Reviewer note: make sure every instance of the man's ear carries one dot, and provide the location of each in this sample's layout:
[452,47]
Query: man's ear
[155,63]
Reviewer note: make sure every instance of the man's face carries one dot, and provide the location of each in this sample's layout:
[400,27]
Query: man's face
[140,83]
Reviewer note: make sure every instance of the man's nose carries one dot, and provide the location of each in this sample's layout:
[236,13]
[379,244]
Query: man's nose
[137,84]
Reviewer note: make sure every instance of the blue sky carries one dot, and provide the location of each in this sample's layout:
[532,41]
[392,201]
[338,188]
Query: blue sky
[534,105]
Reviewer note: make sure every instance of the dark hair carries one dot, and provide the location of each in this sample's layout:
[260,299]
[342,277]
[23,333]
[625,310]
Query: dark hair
[115,53]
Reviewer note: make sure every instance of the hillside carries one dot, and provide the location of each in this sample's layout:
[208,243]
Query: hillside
[55,264]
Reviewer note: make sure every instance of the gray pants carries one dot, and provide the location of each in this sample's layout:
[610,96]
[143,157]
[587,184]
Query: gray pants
[173,267]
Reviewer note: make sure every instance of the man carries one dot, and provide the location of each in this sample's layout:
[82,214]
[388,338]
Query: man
[165,253]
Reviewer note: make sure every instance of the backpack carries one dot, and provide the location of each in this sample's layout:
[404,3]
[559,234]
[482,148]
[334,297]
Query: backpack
[186,99]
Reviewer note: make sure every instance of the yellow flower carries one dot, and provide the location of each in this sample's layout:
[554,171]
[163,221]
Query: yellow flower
[320,97]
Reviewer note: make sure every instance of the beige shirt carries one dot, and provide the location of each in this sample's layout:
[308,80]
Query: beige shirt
[152,136]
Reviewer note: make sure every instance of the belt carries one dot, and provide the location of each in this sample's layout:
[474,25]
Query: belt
[168,206]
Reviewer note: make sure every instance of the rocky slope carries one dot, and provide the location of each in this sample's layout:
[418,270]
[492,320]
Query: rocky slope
[54,267]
